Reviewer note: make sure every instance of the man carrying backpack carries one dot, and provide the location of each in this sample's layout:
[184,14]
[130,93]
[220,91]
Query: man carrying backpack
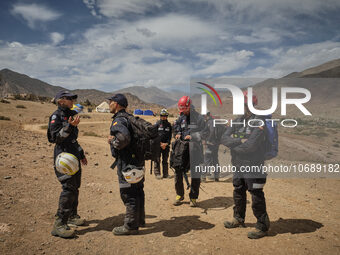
[188,128]
[247,148]
[124,150]
[165,133]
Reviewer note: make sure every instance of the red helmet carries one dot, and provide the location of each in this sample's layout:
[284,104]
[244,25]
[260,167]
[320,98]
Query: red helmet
[184,103]
[245,93]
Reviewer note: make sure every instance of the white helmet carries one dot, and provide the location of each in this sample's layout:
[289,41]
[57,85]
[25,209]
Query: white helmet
[164,112]
[67,163]
[132,174]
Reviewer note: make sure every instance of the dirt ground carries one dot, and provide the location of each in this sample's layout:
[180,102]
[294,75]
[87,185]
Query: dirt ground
[304,213]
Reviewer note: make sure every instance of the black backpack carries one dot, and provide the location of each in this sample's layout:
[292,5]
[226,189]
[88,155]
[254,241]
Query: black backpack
[179,157]
[145,137]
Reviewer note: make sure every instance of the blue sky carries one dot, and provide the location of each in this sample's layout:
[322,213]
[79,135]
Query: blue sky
[111,44]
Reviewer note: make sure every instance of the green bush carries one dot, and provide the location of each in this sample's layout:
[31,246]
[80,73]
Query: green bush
[4,101]
[85,116]
[21,106]
[91,133]
[4,118]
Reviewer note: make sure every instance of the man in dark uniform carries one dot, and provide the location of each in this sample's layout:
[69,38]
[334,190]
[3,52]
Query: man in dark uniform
[247,147]
[188,127]
[165,133]
[63,131]
[123,149]
[212,136]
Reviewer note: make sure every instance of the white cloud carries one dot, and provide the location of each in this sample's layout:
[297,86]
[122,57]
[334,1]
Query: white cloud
[114,8]
[260,36]
[91,4]
[56,38]
[34,13]
[223,63]
[167,50]
[248,21]
[296,59]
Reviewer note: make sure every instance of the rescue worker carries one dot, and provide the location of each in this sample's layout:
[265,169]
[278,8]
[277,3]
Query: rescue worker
[165,133]
[212,136]
[188,127]
[123,150]
[63,131]
[247,147]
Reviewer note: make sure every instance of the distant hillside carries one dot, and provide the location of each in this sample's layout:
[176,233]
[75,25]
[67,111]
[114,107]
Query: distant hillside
[325,92]
[329,69]
[153,95]
[97,96]
[15,83]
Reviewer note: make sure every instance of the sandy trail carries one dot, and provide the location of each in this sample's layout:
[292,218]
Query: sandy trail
[305,213]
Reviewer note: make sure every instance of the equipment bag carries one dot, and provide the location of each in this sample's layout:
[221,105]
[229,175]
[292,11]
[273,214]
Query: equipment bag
[179,157]
[146,138]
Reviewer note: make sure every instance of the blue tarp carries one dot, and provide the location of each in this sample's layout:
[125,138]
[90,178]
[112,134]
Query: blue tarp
[148,112]
[138,112]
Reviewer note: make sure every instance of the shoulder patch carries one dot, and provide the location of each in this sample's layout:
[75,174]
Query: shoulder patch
[53,117]
[52,121]
[115,123]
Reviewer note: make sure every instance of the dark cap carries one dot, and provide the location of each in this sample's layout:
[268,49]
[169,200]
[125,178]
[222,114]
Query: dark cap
[64,93]
[120,99]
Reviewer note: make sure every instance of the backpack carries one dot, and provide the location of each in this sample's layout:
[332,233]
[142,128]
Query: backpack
[179,157]
[271,138]
[146,138]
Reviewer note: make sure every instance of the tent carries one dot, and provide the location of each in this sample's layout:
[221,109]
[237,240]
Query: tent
[138,112]
[103,107]
[148,112]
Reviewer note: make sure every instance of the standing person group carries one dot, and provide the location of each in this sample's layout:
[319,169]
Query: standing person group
[246,145]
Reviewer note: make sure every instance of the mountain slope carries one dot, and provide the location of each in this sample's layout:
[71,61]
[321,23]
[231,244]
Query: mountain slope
[329,69]
[15,83]
[322,81]
[153,95]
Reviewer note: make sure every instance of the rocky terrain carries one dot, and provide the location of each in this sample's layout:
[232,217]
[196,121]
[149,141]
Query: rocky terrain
[304,213]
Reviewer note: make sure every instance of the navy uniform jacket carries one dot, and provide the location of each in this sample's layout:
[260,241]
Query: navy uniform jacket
[250,152]
[164,130]
[122,146]
[192,125]
[63,134]
[212,135]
